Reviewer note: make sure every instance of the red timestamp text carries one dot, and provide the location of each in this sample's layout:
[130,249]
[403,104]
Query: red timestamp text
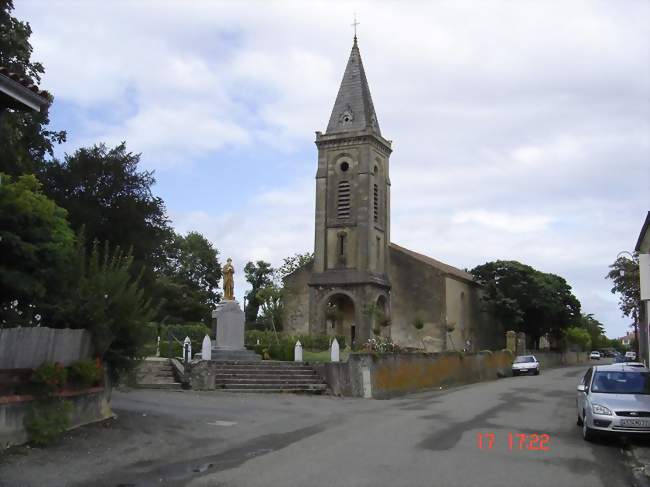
[514,441]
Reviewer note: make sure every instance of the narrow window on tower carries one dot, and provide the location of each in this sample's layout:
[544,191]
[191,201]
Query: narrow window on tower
[379,267]
[343,201]
[376,202]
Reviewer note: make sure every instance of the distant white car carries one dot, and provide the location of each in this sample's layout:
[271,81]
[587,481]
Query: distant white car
[594,355]
[630,356]
[525,364]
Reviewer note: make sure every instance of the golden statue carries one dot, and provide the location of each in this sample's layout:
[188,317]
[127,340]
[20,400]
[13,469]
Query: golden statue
[228,282]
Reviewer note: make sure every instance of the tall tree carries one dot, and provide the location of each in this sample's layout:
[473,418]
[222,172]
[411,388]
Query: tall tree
[188,282]
[293,263]
[25,141]
[624,274]
[36,245]
[105,192]
[525,299]
[258,275]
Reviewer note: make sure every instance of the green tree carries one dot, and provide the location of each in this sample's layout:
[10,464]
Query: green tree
[105,192]
[293,263]
[272,305]
[258,275]
[25,141]
[103,296]
[525,299]
[36,245]
[596,331]
[188,282]
[624,274]
[578,336]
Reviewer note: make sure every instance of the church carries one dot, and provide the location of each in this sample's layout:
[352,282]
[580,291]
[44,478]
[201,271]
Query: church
[360,284]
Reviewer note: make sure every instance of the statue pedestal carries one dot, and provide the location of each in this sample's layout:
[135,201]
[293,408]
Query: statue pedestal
[229,333]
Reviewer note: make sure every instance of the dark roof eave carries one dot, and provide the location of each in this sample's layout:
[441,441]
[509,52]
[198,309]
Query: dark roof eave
[644,231]
[23,97]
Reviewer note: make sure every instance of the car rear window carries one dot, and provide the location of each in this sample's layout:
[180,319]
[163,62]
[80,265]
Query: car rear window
[615,382]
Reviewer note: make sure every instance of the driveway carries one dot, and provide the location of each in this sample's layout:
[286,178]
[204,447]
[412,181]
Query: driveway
[429,439]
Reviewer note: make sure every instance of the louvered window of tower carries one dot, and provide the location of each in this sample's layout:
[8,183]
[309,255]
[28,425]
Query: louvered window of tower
[343,201]
[376,202]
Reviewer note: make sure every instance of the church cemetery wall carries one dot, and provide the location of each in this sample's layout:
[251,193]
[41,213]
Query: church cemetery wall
[87,406]
[27,348]
[556,359]
[382,376]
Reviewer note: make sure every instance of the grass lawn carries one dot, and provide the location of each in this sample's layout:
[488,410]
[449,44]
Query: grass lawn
[324,356]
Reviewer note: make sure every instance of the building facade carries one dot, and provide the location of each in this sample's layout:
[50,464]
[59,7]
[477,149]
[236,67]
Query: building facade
[360,284]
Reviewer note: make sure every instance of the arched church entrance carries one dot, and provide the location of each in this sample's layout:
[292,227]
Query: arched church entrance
[340,317]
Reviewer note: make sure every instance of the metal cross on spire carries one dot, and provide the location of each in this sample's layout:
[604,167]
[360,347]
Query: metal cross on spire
[354,24]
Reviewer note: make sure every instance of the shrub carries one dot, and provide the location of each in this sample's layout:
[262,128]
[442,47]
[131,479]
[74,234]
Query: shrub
[48,378]
[177,349]
[381,345]
[46,420]
[196,332]
[86,373]
[418,323]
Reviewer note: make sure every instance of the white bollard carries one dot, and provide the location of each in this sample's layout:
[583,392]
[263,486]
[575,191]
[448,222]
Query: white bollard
[297,352]
[158,347]
[187,349]
[334,351]
[206,349]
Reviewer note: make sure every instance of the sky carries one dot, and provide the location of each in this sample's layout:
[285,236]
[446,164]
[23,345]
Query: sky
[520,129]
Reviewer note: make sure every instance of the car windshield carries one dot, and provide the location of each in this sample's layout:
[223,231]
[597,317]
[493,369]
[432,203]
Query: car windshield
[615,382]
[526,359]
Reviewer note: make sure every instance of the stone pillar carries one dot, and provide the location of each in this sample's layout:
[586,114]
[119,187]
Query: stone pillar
[521,343]
[229,333]
[511,341]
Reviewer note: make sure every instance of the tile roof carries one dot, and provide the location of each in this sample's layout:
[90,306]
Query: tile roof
[19,92]
[23,80]
[445,268]
[353,108]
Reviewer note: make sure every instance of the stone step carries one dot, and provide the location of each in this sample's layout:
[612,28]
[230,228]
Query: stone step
[264,363]
[275,391]
[273,380]
[160,385]
[247,375]
[155,371]
[288,387]
[262,367]
[229,370]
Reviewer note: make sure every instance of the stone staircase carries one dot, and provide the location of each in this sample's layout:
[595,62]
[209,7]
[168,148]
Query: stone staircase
[268,376]
[156,373]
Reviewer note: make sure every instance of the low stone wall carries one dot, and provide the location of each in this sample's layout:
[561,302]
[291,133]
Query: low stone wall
[88,406]
[389,375]
[27,348]
[560,359]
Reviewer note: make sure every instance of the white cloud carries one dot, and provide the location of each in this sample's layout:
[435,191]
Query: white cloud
[521,129]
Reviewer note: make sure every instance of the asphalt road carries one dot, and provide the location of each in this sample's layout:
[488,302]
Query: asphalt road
[426,439]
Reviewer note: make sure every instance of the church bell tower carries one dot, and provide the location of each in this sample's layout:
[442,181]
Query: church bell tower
[349,286]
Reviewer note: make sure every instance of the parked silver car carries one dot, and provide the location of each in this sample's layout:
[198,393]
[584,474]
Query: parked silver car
[525,364]
[615,399]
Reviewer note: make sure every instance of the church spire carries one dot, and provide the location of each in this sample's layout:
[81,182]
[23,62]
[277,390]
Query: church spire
[353,109]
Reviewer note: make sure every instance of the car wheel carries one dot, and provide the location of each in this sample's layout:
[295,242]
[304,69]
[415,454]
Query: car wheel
[587,433]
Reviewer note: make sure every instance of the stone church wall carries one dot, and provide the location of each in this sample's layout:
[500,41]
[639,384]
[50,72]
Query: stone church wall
[471,321]
[418,291]
[296,310]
